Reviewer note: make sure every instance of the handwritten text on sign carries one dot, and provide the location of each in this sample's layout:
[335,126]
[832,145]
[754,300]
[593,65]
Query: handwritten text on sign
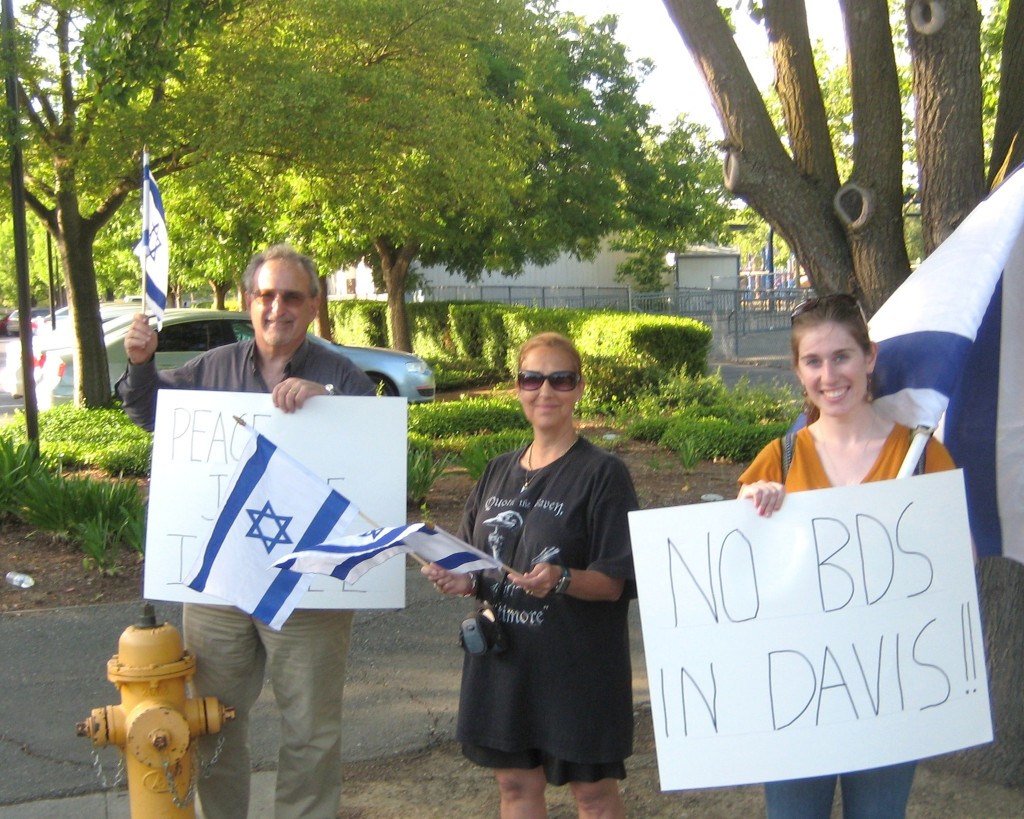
[357,445]
[840,634]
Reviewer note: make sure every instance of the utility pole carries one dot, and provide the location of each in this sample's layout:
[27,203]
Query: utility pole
[18,219]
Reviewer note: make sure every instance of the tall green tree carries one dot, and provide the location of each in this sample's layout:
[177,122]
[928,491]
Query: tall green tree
[676,200]
[96,82]
[479,134]
[482,135]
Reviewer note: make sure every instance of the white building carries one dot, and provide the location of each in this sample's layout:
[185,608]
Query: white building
[700,267]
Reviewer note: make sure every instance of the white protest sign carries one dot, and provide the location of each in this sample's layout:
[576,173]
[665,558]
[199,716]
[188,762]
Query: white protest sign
[356,444]
[840,634]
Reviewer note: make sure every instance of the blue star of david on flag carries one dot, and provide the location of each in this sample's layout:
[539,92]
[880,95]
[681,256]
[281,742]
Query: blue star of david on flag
[256,530]
[267,479]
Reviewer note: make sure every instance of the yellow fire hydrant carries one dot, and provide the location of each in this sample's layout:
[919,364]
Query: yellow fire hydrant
[156,722]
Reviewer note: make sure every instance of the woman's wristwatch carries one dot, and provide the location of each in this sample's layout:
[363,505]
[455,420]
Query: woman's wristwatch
[562,586]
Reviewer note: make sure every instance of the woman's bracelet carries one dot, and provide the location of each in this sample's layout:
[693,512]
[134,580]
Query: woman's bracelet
[472,585]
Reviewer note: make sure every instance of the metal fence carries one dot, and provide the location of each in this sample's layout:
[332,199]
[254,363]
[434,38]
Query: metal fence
[746,324]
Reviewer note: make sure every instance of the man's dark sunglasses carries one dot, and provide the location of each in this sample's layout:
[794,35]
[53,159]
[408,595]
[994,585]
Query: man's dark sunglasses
[289,298]
[837,299]
[561,380]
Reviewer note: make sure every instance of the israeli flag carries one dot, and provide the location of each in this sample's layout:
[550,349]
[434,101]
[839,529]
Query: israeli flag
[349,558]
[951,356]
[274,505]
[154,249]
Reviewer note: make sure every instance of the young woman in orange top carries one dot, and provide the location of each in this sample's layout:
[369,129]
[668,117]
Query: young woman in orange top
[846,442]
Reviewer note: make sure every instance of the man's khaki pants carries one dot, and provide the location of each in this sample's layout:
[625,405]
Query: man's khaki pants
[305,662]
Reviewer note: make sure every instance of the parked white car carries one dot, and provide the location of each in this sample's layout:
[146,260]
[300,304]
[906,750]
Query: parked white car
[59,336]
[186,333]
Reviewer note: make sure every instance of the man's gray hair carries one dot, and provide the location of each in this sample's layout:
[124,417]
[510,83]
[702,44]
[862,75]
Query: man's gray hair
[284,253]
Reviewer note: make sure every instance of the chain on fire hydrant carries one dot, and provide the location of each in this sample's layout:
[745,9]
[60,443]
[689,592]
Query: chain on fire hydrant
[156,722]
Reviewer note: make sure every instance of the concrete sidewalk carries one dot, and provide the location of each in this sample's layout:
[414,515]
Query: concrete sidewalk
[401,696]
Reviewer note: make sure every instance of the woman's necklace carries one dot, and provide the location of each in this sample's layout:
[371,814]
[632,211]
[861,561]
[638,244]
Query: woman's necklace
[530,472]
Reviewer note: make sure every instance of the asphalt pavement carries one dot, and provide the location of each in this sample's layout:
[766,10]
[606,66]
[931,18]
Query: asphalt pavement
[401,696]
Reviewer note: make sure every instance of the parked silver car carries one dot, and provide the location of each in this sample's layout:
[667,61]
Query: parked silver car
[186,333]
[40,318]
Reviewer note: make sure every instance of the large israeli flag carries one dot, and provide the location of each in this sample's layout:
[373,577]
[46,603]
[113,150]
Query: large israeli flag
[154,249]
[951,356]
[273,505]
[351,557]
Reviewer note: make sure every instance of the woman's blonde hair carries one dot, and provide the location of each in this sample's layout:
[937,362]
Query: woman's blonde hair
[555,341]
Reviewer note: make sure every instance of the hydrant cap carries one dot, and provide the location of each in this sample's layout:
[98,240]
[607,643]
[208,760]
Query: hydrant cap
[149,647]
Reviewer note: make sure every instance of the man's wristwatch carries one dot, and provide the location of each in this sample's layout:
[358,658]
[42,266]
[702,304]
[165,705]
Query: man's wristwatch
[562,586]
[329,388]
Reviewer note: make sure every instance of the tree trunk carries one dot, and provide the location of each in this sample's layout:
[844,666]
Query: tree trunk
[876,185]
[796,81]
[323,318]
[395,262]
[1000,583]
[758,169]
[75,241]
[1008,139]
[946,57]
[220,293]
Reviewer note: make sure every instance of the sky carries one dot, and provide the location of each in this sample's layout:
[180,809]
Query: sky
[675,86]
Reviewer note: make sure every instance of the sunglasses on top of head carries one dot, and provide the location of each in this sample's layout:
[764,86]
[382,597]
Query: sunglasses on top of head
[561,380]
[844,300]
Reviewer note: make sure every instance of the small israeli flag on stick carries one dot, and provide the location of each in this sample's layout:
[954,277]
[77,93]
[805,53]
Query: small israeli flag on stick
[154,249]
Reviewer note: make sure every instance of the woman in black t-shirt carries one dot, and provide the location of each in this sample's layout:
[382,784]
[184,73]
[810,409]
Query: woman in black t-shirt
[556,705]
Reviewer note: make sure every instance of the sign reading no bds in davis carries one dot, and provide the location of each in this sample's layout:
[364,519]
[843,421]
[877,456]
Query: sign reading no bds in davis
[840,634]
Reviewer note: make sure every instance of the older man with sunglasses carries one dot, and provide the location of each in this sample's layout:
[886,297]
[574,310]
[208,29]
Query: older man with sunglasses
[306,658]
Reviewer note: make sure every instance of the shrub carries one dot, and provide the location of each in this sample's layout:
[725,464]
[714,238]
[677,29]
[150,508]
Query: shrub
[478,333]
[647,429]
[469,416]
[424,468]
[19,463]
[96,516]
[70,437]
[126,458]
[718,439]
[361,323]
[612,382]
[664,343]
[479,451]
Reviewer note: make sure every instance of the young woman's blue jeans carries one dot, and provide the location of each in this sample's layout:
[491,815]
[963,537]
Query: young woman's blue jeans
[879,793]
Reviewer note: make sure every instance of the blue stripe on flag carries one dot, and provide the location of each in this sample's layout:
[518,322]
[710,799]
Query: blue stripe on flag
[248,479]
[330,512]
[155,293]
[921,360]
[274,597]
[333,510]
[454,561]
[342,570]
[970,429]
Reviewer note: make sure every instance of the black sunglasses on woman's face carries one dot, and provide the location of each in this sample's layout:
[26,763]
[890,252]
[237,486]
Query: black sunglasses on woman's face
[561,380]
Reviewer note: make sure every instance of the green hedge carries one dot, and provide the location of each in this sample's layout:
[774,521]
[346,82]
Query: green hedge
[97,438]
[624,354]
[717,439]
[470,416]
